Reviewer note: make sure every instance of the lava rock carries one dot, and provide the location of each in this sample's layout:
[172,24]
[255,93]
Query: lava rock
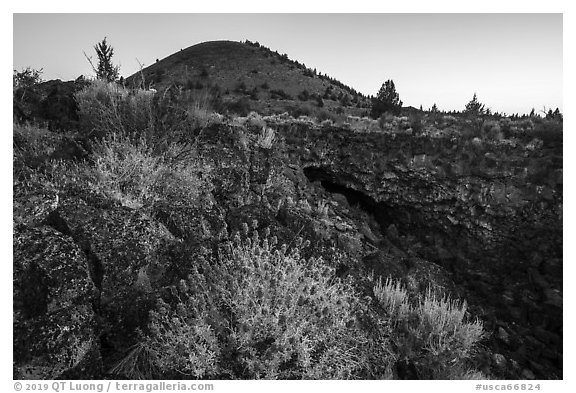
[126,253]
[55,327]
[500,360]
[503,335]
[527,374]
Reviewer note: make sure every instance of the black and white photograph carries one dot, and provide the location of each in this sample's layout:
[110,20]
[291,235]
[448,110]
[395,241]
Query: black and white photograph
[287,196]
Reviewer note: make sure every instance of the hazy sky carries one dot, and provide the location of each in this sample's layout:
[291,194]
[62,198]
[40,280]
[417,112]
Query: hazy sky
[512,61]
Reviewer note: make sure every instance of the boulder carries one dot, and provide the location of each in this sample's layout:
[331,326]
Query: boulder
[55,326]
[191,223]
[126,254]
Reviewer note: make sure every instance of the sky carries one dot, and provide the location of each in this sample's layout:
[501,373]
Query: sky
[512,61]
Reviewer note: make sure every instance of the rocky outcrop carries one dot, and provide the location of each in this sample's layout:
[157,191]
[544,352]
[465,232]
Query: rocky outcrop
[125,253]
[477,209]
[50,102]
[55,324]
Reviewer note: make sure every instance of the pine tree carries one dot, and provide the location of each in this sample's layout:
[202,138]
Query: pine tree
[106,70]
[474,107]
[557,115]
[387,100]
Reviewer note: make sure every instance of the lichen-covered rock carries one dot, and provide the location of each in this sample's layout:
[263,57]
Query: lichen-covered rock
[227,163]
[50,102]
[126,254]
[55,328]
[426,275]
[350,243]
[387,264]
[31,207]
[191,223]
[418,274]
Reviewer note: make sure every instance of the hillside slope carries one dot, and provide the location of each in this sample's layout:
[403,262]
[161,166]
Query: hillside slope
[270,81]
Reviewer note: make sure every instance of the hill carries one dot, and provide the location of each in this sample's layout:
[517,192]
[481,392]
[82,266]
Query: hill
[249,76]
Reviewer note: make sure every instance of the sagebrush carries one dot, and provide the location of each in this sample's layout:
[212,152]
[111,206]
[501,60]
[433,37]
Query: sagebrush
[261,311]
[431,332]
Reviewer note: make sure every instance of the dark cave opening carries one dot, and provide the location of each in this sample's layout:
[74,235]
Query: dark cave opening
[382,213]
[407,222]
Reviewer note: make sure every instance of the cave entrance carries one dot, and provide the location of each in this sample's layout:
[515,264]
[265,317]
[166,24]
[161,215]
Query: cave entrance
[382,213]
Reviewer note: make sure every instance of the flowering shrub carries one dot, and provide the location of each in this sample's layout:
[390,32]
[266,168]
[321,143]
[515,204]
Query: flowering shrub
[260,311]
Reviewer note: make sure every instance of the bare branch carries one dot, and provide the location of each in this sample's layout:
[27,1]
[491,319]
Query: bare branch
[141,65]
[90,61]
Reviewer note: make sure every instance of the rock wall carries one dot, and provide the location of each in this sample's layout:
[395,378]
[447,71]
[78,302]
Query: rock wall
[476,208]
